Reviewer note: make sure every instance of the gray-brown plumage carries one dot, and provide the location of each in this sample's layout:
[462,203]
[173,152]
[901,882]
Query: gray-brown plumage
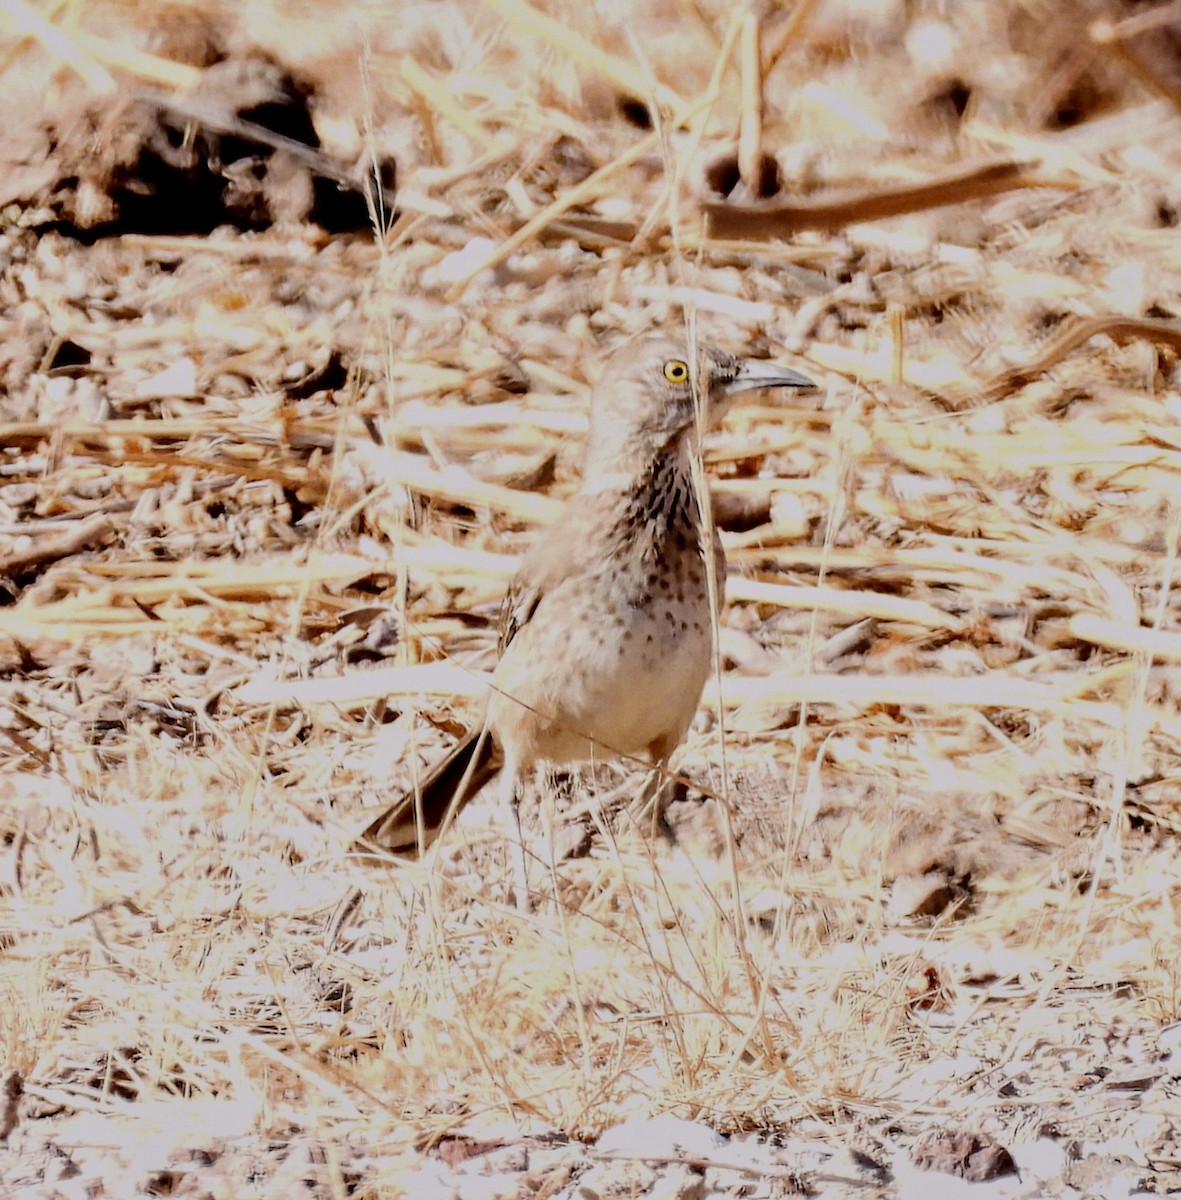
[605,641]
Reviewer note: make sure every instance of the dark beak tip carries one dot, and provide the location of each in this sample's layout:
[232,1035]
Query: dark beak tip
[803,383]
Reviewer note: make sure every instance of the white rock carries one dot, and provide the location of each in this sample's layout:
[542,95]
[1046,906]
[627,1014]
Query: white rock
[790,515]
[932,45]
[1043,1158]
[178,379]
[459,263]
[500,1185]
[664,1137]
[678,1183]
[431,1181]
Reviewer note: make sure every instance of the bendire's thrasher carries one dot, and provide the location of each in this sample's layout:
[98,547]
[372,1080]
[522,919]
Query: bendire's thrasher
[605,641]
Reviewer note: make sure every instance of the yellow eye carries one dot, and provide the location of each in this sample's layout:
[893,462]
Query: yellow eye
[676,371]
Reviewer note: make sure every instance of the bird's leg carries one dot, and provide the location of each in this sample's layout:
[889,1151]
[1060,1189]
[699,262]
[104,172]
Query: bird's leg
[547,827]
[659,791]
[644,807]
[510,802]
[665,790]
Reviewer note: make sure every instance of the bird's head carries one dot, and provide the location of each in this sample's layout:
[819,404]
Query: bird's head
[651,389]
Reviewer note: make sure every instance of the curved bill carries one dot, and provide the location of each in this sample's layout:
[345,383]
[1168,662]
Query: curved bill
[756,373]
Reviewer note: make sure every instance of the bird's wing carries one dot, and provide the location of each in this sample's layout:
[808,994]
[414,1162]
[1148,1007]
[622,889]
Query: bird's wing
[549,561]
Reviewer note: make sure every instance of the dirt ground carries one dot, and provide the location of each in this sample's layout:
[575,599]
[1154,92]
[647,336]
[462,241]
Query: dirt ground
[300,309]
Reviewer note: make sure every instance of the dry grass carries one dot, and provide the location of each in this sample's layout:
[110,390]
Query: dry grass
[234,617]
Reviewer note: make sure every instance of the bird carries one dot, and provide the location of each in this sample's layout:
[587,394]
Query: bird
[605,632]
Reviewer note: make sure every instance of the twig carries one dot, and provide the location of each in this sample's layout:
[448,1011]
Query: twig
[1073,334]
[49,549]
[833,210]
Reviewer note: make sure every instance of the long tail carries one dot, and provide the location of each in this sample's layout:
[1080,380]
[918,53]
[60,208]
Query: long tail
[448,787]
